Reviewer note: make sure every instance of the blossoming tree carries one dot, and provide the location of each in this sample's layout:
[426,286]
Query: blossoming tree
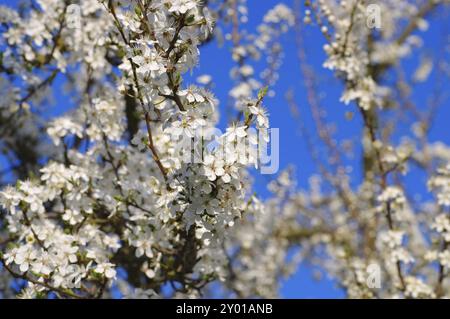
[101,201]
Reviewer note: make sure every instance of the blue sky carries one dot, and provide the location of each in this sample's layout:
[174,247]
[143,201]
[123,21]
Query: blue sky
[217,62]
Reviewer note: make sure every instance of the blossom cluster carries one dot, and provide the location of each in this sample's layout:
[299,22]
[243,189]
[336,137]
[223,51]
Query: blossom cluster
[103,199]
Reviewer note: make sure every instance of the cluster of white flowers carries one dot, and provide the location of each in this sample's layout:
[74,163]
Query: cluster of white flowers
[102,199]
[262,259]
[380,222]
[137,191]
[392,242]
[394,196]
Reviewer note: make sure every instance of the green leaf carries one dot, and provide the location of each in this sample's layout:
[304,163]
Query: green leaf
[262,93]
